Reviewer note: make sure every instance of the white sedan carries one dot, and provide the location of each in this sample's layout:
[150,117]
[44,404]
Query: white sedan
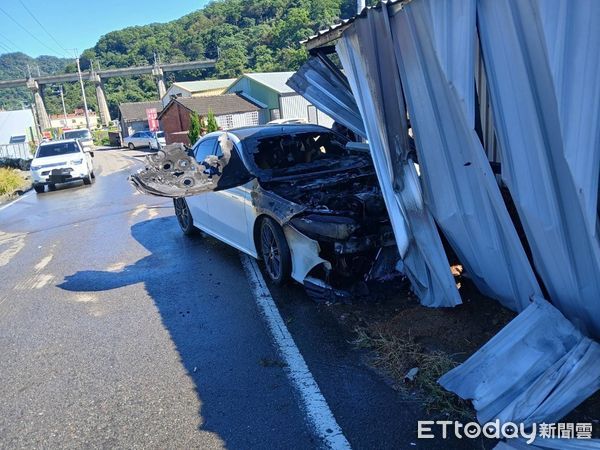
[294,196]
[61,162]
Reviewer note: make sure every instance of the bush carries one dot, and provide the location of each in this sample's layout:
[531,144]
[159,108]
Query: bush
[10,181]
[194,131]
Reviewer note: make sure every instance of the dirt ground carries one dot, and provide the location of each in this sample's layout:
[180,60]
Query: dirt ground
[395,322]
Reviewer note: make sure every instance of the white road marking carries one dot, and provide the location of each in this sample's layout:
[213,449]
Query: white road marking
[15,200]
[43,263]
[317,410]
[14,243]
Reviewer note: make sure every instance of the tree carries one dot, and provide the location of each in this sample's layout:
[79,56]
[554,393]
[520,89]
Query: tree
[194,131]
[211,122]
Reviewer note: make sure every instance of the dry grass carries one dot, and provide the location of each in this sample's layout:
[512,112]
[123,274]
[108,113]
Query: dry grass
[10,181]
[397,355]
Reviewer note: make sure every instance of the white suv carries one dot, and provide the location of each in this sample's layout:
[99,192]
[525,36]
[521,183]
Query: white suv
[61,162]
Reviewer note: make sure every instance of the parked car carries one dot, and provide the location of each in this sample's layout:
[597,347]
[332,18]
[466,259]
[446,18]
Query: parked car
[290,121]
[84,136]
[153,140]
[61,162]
[294,196]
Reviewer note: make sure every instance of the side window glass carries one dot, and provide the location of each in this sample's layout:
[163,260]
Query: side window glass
[134,135]
[204,148]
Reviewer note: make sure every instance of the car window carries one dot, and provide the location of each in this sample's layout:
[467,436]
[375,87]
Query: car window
[160,134]
[204,148]
[77,134]
[59,148]
[134,135]
[281,152]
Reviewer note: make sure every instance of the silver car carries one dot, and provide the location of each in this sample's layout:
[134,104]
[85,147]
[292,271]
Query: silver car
[153,140]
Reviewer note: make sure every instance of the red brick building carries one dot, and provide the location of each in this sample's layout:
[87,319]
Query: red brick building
[230,110]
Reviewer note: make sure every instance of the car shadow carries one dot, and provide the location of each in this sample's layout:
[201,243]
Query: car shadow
[201,293]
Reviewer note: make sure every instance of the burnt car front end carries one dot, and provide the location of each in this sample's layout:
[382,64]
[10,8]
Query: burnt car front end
[337,203]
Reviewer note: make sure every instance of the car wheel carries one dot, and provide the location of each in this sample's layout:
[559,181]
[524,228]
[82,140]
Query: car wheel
[275,252]
[39,188]
[131,146]
[92,174]
[87,180]
[184,216]
[52,187]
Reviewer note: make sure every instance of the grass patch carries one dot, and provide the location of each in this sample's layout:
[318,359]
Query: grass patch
[10,181]
[397,355]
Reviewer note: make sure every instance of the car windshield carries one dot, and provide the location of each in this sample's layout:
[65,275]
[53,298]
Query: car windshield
[56,149]
[77,134]
[299,152]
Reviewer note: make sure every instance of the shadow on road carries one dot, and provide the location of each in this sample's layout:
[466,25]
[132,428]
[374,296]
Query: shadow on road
[203,298]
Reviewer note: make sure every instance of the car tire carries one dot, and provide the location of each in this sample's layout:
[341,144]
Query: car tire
[92,174]
[52,187]
[184,217]
[39,188]
[131,146]
[87,180]
[274,251]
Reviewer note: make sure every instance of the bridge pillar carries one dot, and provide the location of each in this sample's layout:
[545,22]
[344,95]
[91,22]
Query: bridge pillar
[40,109]
[102,105]
[160,81]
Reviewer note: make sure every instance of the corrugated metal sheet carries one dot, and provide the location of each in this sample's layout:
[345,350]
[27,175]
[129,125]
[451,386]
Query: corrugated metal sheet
[324,85]
[367,53]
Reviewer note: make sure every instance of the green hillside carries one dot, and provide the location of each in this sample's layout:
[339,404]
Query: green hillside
[255,35]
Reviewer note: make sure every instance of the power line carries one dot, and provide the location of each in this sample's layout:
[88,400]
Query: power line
[42,26]
[5,48]
[27,31]
[15,46]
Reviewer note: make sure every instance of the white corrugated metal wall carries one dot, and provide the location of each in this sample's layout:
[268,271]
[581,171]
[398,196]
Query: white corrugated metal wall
[295,106]
[229,121]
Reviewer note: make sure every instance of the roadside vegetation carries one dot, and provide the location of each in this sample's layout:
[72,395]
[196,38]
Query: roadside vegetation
[10,181]
[411,366]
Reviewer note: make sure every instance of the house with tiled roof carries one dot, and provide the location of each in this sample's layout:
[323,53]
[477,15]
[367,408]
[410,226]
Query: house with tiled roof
[230,110]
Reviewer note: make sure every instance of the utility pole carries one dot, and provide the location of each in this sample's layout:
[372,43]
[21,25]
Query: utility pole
[85,108]
[62,99]
[360,5]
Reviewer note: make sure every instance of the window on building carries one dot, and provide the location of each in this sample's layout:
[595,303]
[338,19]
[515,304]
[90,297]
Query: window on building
[275,114]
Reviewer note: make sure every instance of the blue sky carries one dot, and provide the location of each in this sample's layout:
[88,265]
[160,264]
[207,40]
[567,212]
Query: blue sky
[78,23]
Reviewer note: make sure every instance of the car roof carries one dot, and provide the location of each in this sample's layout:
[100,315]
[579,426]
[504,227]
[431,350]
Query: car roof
[55,141]
[276,130]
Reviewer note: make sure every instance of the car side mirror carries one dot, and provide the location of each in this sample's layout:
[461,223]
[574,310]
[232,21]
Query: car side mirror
[91,154]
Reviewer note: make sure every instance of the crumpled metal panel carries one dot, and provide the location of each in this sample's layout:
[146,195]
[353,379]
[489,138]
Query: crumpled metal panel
[452,29]
[322,84]
[171,172]
[536,369]
[529,125]
[460,188]
[367,55]
[573,43]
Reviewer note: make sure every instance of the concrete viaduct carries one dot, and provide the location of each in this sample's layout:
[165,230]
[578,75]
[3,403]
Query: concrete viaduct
[96,76]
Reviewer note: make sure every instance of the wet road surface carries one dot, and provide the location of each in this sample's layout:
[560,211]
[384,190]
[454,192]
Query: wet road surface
[118,331]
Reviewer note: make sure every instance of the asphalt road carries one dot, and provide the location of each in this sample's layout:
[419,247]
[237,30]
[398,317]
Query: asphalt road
[118,331]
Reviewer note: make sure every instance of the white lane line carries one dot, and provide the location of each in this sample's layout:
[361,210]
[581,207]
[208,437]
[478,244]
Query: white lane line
[314,404]
[15,200]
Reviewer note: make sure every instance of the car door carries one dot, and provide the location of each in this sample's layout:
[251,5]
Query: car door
[227,210]
[197,203]
[134,138]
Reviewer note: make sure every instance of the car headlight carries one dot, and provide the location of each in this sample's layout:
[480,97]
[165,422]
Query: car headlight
[77,161]
[35,167]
